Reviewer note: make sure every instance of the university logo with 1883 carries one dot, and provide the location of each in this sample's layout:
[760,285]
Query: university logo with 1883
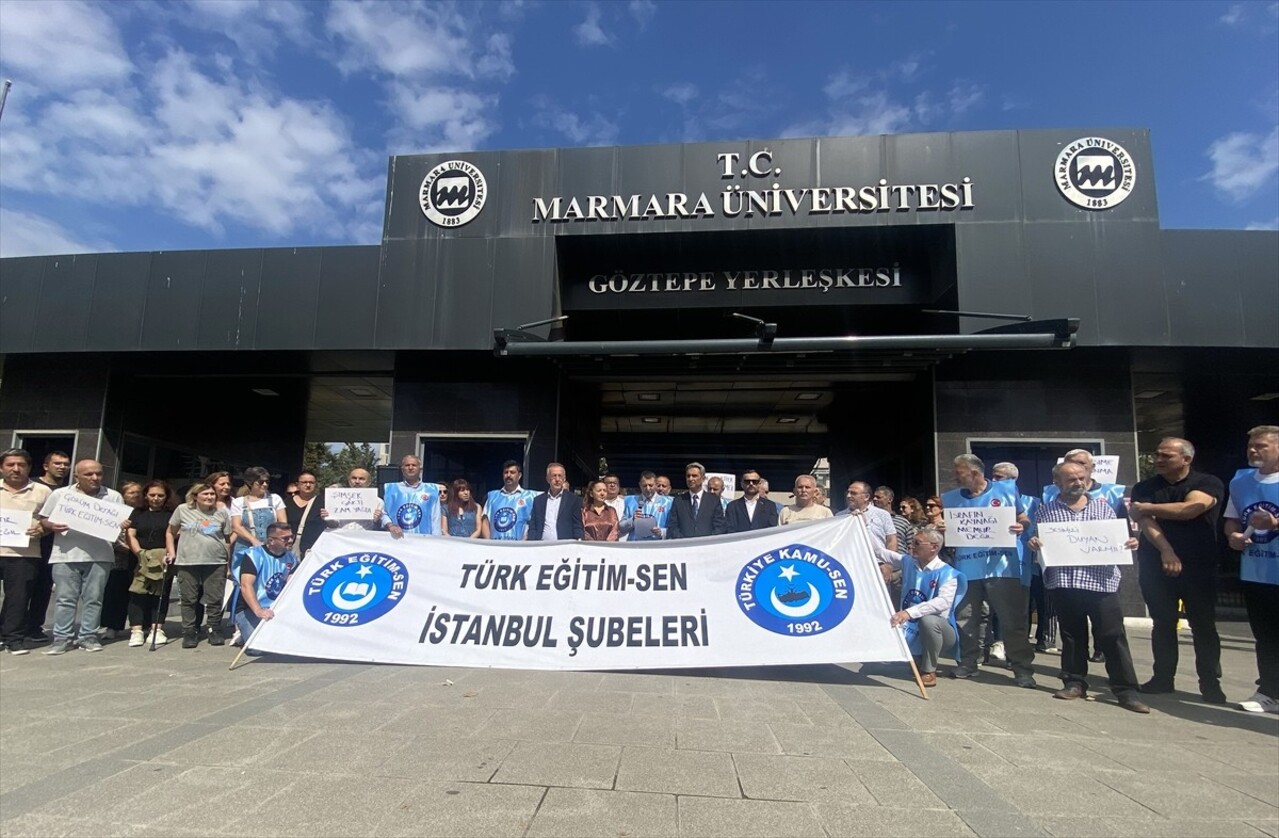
[355,589]
[795,590]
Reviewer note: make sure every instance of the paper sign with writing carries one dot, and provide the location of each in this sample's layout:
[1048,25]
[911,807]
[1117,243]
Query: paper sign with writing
[96,517]
[1078,543]
[1105,468]
[985,526]
[350,504]
[14,524]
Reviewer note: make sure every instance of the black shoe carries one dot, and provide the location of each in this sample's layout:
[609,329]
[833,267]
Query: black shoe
[1070,692]
[37,635]
[1097,657]
[190,640]
[215,637]
[1212,694]
[1129,701]
[1157,687]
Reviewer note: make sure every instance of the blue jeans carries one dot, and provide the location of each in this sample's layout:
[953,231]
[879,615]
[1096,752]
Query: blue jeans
[82,584]
[246,621]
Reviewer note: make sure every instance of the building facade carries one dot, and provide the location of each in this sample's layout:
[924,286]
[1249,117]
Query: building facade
[755,304]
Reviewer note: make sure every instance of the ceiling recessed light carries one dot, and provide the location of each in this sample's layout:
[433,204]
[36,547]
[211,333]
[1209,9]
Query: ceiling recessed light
[807,397]
[650,420]
[1265,397]
[649,397]
[265,391]
[787,420]
[1149,394]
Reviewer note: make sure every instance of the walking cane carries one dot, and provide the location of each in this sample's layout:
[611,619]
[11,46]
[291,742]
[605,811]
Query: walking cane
[155,618]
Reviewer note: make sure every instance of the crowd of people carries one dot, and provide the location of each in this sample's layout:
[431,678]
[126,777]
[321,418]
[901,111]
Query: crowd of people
[953,602]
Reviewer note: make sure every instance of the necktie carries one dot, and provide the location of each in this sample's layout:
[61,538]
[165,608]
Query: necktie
[695,497]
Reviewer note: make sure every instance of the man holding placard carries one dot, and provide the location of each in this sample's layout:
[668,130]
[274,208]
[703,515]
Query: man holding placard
[86,518]
[20,499]
[983,519]
[354,508]
[1082,589]
[1252,525]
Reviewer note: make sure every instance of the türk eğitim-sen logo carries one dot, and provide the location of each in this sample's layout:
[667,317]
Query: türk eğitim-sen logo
[796,590]
[355,589]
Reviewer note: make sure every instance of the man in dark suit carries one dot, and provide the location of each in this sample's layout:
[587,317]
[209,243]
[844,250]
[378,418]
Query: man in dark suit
[698,512]
[751,511]
[557,513]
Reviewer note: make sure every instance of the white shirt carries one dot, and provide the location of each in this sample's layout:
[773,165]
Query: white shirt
[750,508]
[945,598]
[72,546]
[550,528]
[619,506]
[878,522]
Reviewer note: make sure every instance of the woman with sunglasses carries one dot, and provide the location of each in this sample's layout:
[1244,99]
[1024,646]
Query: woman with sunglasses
[933,512]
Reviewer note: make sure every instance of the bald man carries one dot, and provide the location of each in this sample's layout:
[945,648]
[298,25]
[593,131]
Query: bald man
[80,565]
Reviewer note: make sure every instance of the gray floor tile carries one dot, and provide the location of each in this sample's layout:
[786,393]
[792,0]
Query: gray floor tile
[569,812]
[842,819]
[713,817]
[781,777]
[560,764]
[734,737]
[674,771]
[846,742]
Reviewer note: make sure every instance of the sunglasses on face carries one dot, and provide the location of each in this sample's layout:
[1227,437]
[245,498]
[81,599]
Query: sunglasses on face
[931,506]
[749,480]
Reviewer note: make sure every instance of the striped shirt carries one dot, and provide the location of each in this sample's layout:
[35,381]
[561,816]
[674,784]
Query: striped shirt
[1101,578]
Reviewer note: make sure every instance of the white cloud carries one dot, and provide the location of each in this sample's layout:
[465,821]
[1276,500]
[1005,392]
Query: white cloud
[643,11]
[680,93]
[400,39]
[28,234]
[965,95]
[842,85]
[1252,16]
[255,26]
[1243,163]
[1234,15]
[593,129]
[588,32]
[441,118]
[1272,224]
[61,46]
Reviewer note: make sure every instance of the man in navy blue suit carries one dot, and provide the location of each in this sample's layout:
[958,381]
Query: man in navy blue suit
[751,511]
[698,512]
[557,513]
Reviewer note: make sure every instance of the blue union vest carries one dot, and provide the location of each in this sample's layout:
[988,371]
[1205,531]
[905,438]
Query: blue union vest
[414,509]
[659,508]
[987,562]
[1260,561]
[508,514]
[273,573]
[919,586]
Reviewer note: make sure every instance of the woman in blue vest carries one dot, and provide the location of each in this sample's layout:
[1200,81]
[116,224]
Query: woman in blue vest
[931,591]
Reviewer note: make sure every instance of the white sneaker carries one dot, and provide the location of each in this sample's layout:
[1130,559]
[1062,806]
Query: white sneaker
[997,651]
[1260,703]
[160,639]
[136,638]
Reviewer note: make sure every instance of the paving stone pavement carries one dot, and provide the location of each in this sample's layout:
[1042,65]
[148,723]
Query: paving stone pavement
[169,743]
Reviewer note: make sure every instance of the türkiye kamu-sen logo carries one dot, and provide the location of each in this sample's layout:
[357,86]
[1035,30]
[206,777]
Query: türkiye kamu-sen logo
[1095,173]
[453,193]
[796,590]
[355,589]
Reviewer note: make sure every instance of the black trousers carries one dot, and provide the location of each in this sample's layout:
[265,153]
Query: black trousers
[1045,622]
[1075,608]
[19,576]
[1263,616]
[1196,587]
[38,607]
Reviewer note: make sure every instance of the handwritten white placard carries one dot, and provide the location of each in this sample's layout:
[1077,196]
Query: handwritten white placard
[1105,468]
[91,516]
[350,504]
[14,524]
[730,483]
[1079,543]
[985,526]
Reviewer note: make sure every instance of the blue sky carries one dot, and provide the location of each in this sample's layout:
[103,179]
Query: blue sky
[216,123]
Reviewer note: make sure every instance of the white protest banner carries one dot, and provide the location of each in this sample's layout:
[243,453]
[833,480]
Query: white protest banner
[350,504]
[730,483]
[91,516]
[1077,543]
[985,526]
[801,594]
[1105,468]
[14,524]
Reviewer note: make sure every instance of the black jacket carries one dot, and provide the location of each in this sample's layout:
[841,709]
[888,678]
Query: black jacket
[567,526]
[708,521]
[736,519]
